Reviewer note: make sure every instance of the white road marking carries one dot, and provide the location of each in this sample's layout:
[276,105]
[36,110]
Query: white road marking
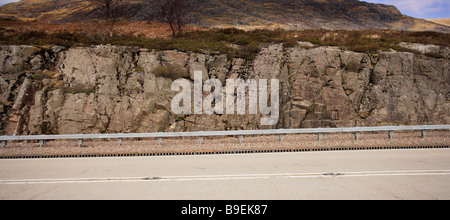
[227,177]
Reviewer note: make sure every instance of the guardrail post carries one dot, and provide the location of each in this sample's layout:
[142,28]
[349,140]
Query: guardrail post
[4,143]
[357,135]
[200,140]
[241,138]
[41,143]
[281,137]
[319,136]
[80,142]
[120,142]
[424,133]
[391,134]
[160,142]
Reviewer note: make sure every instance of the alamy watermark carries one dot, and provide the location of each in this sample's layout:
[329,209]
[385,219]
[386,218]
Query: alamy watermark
[235,94]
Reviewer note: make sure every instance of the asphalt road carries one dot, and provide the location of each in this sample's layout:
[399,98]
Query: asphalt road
[380,174]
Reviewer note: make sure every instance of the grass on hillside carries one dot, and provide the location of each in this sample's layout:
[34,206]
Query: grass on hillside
[234,42]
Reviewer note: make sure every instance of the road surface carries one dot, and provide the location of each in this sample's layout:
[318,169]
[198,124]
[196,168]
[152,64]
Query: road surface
[380,174]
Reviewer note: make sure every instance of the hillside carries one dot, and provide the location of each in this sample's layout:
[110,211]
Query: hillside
[246,14]
[43,10]
[445,21]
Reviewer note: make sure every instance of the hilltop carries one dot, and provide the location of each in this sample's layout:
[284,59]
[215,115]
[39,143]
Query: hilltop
[244,14]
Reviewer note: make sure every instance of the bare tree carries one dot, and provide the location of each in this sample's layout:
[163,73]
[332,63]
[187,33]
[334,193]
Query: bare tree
[111,11]
[177,13]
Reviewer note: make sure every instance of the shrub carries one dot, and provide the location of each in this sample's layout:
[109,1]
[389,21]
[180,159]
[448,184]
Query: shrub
[242,40]
[171,71]
[289,43]
[32,35]
[435,55]
[248,52]
[313,41]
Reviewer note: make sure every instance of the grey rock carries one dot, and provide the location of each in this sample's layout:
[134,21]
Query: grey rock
[111,89]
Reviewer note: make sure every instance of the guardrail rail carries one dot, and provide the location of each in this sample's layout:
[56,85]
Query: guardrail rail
[239,133]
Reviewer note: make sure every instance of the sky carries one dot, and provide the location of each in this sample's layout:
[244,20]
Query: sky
[428,9]
[2,2]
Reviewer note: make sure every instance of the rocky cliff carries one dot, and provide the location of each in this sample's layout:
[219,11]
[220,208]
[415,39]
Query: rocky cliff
[112,89]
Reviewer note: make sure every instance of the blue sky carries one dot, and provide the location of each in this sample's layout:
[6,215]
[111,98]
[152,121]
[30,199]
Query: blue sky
[414,8]
[2,2]
[420,8]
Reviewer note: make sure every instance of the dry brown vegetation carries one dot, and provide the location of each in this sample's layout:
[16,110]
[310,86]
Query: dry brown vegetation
[149,29]
[231,41]
[444,21]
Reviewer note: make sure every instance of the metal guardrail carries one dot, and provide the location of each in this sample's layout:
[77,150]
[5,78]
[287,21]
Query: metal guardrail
[240,133]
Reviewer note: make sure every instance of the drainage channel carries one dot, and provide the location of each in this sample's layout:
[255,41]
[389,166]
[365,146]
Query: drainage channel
[219,152]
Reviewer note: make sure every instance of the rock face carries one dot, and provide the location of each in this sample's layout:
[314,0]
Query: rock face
[111,89]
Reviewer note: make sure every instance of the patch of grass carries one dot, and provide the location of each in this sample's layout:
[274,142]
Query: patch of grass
[42,75]
[79,88]
[46,74]
[5,103]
